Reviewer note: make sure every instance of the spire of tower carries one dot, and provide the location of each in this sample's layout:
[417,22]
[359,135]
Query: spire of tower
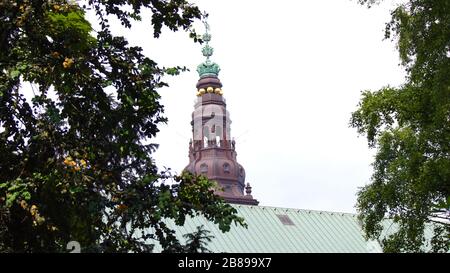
[212,152]
[207,68]
[207,50]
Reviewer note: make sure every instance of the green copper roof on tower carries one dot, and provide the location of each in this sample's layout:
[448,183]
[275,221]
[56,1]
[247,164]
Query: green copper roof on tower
[207,68]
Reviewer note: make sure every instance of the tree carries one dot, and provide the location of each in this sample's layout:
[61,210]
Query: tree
[410,128]
[76,162]
[197,241]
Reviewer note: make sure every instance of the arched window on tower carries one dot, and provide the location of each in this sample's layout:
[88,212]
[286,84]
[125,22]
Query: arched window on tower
[206,132]
[203,168]
[206,136]
[219,135]
[218,140]
[226,168]
[219,131]
[241,171]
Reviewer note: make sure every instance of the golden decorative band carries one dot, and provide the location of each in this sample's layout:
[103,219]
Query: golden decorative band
[210,89]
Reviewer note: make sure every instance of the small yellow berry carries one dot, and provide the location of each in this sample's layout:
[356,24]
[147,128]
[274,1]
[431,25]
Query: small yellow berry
[33,210]
[83,162]
[67,62]
[23,204]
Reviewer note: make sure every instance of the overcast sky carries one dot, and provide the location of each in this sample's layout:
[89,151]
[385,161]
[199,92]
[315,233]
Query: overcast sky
[292,73]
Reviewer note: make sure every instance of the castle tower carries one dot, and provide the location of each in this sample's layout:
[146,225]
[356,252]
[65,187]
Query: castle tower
[212,152]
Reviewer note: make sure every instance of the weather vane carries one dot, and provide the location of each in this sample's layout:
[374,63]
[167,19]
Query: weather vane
[205,20]
[206,50]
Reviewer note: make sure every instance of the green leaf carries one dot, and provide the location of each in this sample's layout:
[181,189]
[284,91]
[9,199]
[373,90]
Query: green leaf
[14,74]
[11,198]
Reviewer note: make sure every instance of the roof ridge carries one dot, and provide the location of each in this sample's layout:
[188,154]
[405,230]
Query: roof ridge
[298,210]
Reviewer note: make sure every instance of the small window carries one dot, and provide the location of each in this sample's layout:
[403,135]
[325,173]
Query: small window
[218,131]
[206,132]
[226,168]
[203,168]
[285,220]
[218,140]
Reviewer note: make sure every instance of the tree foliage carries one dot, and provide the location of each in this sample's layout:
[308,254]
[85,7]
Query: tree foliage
[410,128]
[197,241]
[75,161]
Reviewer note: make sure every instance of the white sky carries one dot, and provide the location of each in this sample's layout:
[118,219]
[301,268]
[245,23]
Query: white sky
[292,74]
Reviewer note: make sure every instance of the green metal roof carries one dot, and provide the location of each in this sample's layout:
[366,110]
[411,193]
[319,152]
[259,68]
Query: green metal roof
[307,231]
